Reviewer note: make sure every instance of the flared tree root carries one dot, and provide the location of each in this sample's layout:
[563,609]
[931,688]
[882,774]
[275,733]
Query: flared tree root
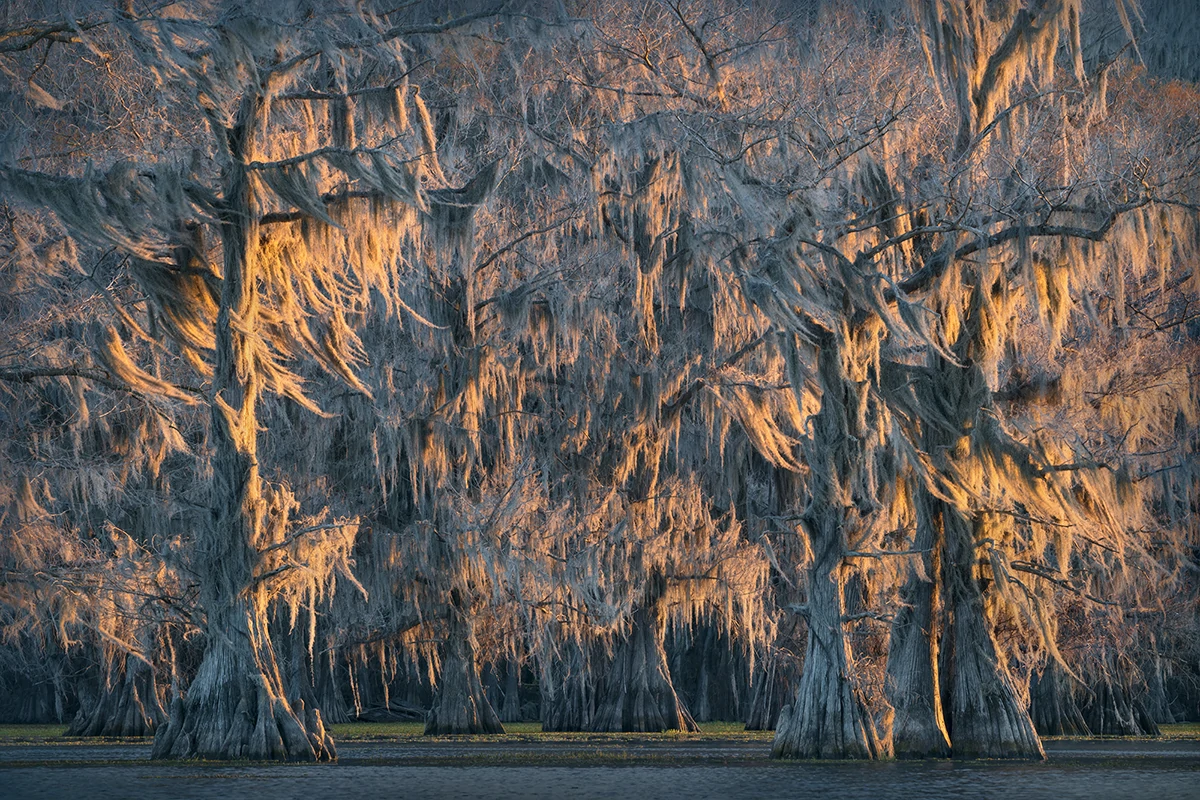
[127,704]
[637,694]
[243,719]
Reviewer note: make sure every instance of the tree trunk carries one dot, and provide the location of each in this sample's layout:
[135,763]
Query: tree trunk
[829,718]
[236,707]
[568,691]
[769,694]
[918,727]
[311,676]
[703,708]
[987,719]
[461,705]
[1158,702]
[636,693]
[510,709]
[127,703]
[1114,709]
[1052,704]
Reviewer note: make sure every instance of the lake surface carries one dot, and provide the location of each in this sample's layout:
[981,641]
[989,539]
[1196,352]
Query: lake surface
[1085,769]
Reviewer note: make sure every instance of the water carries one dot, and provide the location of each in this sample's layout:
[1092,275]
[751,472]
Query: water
[1088,770]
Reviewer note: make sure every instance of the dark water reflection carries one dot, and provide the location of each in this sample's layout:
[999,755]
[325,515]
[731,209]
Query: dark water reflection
[1087,770]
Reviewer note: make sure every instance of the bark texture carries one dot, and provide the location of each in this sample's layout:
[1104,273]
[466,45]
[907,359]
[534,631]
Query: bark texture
[236,706]
[913,682]
[769,693]
[830,718]
[1052,704]
[1114,708]
[127,703]
[636,693]
[987,717]
[568,691]
[461,705]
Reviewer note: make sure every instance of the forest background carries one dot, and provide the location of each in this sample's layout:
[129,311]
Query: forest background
[827,366]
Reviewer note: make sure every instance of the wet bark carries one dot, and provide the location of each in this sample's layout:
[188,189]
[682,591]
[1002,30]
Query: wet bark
[236,707]
[461,705]
[126,704]
[636,693]
[913,682]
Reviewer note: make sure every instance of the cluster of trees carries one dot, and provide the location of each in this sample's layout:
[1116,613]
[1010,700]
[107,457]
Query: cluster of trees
[830,366]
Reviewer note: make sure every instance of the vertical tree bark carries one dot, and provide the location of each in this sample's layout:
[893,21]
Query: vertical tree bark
[127,703]
[568,691]
[913,682]
[1114,707]
[701,705]
[987,719]
[1052,704]
[636,693]
[235,707]
[984,714]
[510,709]
[769,693]
[1158,701]
[461,705]
[829,718]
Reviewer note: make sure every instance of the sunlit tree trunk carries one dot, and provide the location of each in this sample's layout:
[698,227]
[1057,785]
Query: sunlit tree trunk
[987,717]
[236,706]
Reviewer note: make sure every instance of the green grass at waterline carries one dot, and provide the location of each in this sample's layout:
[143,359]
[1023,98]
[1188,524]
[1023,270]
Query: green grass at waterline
[528,731]
[532,731]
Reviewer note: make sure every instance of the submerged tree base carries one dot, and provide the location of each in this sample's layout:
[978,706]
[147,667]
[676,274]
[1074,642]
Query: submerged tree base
[242,719]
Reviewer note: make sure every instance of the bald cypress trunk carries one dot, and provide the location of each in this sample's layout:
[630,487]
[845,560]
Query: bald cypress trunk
[568,690]
[913,682]
[829,718]
[1052,704]
[769,693]
[987,717]
[506,698]
[636,693]
[461,705]
[127,703]
[236,706]
[1114,707]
